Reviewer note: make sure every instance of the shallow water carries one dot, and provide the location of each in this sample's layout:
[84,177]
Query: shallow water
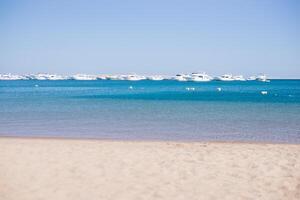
[152,110]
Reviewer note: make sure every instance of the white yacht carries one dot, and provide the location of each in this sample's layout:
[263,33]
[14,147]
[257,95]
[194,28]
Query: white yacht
[101,77]
[262,78]
[134,77]
[239,78]
[114,77]
[84,77]
[181,77]
[200,77]
[40,77]
[6,77]
[251,78]
[54,77]
[155,78]
[225,77]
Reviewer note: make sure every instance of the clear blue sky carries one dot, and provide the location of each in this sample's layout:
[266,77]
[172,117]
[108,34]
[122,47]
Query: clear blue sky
[150,36]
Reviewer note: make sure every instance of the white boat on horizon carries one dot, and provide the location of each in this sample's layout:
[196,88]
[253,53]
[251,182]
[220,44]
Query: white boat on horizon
[251,78]
[101,77]
[11,77]
[239,78]
[115,77]
[134,77]
[262,77]
[200,77]
[54,77]
[181,77]
[225,77]
[40,77]
[155,78]
[84,77]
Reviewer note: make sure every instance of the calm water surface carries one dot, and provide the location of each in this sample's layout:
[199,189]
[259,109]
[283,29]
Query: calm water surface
[152,110]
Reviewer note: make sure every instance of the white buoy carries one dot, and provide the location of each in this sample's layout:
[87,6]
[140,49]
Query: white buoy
[219,89]
[190,88]
[264,92]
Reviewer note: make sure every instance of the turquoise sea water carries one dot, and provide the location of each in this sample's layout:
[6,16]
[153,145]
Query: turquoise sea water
[152,110]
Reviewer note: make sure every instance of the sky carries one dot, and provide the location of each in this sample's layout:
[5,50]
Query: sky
[150,37]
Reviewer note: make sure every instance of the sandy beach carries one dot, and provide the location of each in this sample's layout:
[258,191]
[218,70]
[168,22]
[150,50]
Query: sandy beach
[61,169]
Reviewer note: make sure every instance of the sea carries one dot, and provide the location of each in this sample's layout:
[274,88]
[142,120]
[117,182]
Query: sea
[237,111]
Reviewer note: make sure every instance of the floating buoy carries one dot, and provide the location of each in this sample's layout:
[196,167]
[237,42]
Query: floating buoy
[219,89]
[264,92]
[130,87]
[188,88]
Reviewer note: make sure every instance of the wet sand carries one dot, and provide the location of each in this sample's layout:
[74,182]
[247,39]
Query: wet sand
[64,169]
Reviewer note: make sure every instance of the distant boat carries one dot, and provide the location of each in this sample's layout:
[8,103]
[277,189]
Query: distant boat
[155,78]
[251,78]
[114,77]
[84,77]
[225,77]
[54,77]
[101,77]
[200,77]
[134,77]
[239,78]
[181,77]
[11,77]
[262,78]
[40,77]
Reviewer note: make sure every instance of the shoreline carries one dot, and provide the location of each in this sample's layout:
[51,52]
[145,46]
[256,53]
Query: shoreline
[145,140]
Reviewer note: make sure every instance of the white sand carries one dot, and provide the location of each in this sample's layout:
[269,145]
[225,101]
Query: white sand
[53,169]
